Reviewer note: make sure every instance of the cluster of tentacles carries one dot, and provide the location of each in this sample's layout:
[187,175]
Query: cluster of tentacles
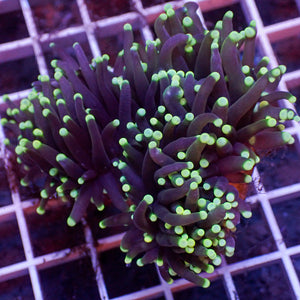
[171,133]
[65,135]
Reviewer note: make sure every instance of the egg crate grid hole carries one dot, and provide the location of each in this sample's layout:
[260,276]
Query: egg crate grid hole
[277,256]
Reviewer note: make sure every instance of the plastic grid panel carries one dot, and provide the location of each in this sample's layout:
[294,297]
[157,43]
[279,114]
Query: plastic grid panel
[142,17]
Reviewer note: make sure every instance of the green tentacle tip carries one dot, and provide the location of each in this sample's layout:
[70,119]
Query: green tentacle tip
[74,194]
[148,238]
[193,186]
[181,155]
[175,120]
[24,142]
[58,75]
[38,132]
[211,254]
[234,36]
[23,182]
[131,125]
[66,118]
[215,75]
[204,163]
[292,99]
[15,112]
[60,189]
[250,32]
[287,138]
[157,135]
[4,121]
[163,17]
[36,144]
[126,188]
[248,165]
[40,210]
[185,173]
[5,98]
[266,59]
[100,207]
[89,118]
[262,71]
[179,211]
[139,137]
[102,224]
[189,117]
[46,112]
[148,198]
[123,142]
[161,181]
[105,57]
[56,93]
[209,269]
[127,260]
[127,27]
[152,145]
[60,157]
[44,78]
[205,283]
[276,72]
[80,180]
[141,112]
[282,69]
[219,122]
[218,192]
[297,118]
[20,149]
[78,95]
[44,194]
[216,228]
[246,69]
[217,261]
[63,132]
[182,243]
[168,6]
[214,34]
[246,214]
[248,81]
[219,25]
[207,243]
[71,222]
[252,23]
[161,109]
[116,123]
[53,63]
[229,14]
[271,122]
[139,262]
[148,132]
[214,45]
[124,250]
[248,178]
[222,101]
[53,172]
[60,101]
[187,22]
[170,12]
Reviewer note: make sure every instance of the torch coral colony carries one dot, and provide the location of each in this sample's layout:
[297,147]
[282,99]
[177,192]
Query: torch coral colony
[170,133]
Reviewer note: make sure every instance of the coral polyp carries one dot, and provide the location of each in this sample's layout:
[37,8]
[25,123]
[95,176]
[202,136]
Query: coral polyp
[191,138]
[171,133]
[60,128]
[182,168]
